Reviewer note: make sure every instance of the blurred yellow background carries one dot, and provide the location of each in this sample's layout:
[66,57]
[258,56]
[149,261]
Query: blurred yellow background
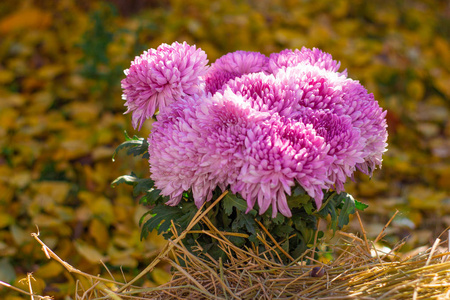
[61,116]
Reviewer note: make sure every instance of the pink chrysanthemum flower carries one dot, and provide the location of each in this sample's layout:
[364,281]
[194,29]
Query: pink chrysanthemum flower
[175,161]
[159,77]
[314,57]
[202,139]
[226,122]
[279,153]
[316,88]
[254,132]
[369,118]
[346,146]
[233,65]
[266,93]
[326,90]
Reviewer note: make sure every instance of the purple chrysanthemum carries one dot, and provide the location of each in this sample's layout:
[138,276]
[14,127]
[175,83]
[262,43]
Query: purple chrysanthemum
[279,153]
[326,90]
[316,88]
[226,123]
[266,93]
[203,140]
[346,146]
[256,125]
[175,162]
[233,65]
[369,118]
[315,57]
[159,77]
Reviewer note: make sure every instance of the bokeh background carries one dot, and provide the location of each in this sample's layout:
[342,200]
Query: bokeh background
[61,117]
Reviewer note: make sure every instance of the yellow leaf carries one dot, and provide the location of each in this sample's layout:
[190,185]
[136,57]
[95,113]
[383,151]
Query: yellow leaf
[6,192]
[6,76]
[98,230]
[102,152]
[72,149]
[122,212]
[45,221]
[415,89]
[31,83]
[160,276]
[442,47]
[21,179]
[49,270]
[421,197]
[102,208]
[443,84]
[8,118]
[122,241]
[89,252]
[444,177]
[84,112]
[155,240]
[122,258]
[372,188]
[28,18]
[5,220]
[41,101]
[49,71]
[56,190]
[11,297]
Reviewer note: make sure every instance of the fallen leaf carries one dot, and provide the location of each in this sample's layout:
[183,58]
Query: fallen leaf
[27,18]
[89,252]
[49,270]
[99,231]
[160,276]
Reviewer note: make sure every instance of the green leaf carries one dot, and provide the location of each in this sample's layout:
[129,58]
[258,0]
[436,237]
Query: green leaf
[142,186]
[140,150]
[151,197]
[189,209]
[143,217]
[302,220]
[299,198]
[332,201]
[339,207]
[279,219]
[360,206]
[253,238]
[226,220]
[161,218]
[231,200]
[282,230]
[246,221]
[127,179]
[128,138]
[137,146]
[237,240]
[347,209]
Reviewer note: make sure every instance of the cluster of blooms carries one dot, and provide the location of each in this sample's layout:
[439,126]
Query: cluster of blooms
[257,125]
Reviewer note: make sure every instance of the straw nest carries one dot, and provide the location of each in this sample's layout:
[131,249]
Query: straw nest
[358,271]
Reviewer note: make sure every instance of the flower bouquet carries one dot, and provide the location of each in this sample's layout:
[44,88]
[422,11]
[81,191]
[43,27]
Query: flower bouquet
[264,144]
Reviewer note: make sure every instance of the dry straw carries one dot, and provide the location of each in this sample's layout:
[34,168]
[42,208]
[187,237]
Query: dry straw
[359,271]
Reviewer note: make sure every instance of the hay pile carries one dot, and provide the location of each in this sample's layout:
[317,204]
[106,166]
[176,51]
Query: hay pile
[359,271]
